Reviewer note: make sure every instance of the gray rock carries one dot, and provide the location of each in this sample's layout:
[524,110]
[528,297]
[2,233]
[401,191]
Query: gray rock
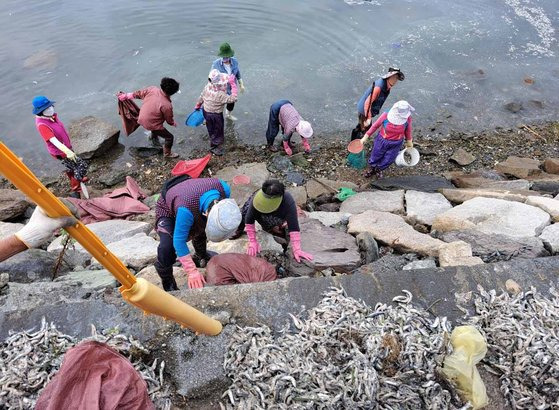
[494,247]
[466,181]
[109,231]
[368,247]
[8,229]
[299,194]
[423,183]
[423,207]
[461,195]
[240,245]
[421,264]
[90,279]
[320,186]
[92,137]
[384,201]
[30,266]
[519,167]
[330,218]
[281,164]
[151,201]
[392,230]
[113,177]
[493,216]
[329,247]
[546,186]
[294,177]
[13,204]
[330,207]
[549,205]
[462,157]
[550,238]
[255,170]
[135,252]
[513,107]
[457,253]
[390,262]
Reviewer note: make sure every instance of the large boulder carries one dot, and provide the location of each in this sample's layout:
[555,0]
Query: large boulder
[461,195]
[257,172]
[109,231]
[135,252]
[384,201]
[457,253]
[90,279]
[493,216]
[423,183]
[494,247]
[330,248]
[423,207]
[8,229]
[368,247]
[550,238]
[519,167]
[392,230]
[477,180]
[30,266]
[549,205]
[299,194]
[329,218]
[92,137]
[13,204]
[319,186]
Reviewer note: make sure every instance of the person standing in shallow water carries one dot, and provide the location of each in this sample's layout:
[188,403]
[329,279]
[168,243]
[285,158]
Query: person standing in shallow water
[58,142]
[371,102]
[395,126]
[156,110]
[213,99]
[228,64]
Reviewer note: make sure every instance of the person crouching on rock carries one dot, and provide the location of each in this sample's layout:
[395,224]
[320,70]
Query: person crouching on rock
[58,143]
[283,113]
[276,211]
[155,111]
[191,209]
[395,126]
[371,102]
[213,99]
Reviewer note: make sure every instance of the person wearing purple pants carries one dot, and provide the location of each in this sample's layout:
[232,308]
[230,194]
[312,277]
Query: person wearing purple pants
[213,99]
[395,126]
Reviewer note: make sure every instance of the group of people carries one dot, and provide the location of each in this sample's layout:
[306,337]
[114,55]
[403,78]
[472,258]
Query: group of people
[200,209]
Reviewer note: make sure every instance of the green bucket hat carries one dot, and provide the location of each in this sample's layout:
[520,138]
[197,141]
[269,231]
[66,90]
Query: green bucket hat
[266,204]
[225,50]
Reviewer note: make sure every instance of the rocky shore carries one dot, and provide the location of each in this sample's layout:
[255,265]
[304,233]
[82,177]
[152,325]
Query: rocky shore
[473,201]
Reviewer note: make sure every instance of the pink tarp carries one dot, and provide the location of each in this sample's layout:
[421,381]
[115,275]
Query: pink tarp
[231,268]
[119,204]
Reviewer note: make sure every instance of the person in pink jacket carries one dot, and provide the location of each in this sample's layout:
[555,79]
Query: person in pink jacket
[395,126]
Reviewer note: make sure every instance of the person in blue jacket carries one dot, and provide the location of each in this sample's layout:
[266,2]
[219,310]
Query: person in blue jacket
[228,64]
[371,102]
[196,209]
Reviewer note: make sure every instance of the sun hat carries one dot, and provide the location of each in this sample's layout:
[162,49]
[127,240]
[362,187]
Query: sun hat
[217,78]
[400,112]
[394,71]
[304,129]
[265,203]
[225,50]
[223,220]
[40,104]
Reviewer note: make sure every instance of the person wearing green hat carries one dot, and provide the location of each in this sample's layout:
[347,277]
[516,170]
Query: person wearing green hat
[276,211]
[228,64]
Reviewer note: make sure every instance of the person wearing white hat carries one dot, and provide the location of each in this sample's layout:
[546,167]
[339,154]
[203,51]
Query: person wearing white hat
[192,209]
[395,126]
[282,113]
[372,100]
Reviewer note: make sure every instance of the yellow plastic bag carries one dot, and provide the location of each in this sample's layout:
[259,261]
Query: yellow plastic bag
[469,347]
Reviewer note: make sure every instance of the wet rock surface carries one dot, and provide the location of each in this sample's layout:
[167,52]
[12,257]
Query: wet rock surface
[424,183]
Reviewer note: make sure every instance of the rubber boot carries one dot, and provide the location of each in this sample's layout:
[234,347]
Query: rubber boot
[74,185]
[168,154]
[154,139]
[167,279]
[230,116]
[287,148]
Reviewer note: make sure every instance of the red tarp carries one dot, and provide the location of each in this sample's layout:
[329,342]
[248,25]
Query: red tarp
[193,167]
[231,268]
[94,376]
[119,204]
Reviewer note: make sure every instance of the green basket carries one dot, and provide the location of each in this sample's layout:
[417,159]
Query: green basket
[358,161]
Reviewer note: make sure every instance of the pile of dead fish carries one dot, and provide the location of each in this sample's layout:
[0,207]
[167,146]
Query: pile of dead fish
[30,359]
[522,335]
[343,354]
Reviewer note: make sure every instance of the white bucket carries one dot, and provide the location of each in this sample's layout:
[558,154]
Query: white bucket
[401,158]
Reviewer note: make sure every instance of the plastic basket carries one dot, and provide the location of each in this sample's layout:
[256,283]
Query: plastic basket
[358,161]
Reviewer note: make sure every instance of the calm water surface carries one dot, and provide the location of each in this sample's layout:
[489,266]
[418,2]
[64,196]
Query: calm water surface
[463,60]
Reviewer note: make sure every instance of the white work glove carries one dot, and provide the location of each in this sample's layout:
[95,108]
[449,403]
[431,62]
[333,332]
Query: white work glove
[41,227]
[242,86]
[367,122]
[71,155]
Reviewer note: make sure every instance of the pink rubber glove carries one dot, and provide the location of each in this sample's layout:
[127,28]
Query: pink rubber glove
[253,245]
[197,106]
[233,84]
[296,247]
[306,145]
[287,148]
[125,96]
[195,278]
